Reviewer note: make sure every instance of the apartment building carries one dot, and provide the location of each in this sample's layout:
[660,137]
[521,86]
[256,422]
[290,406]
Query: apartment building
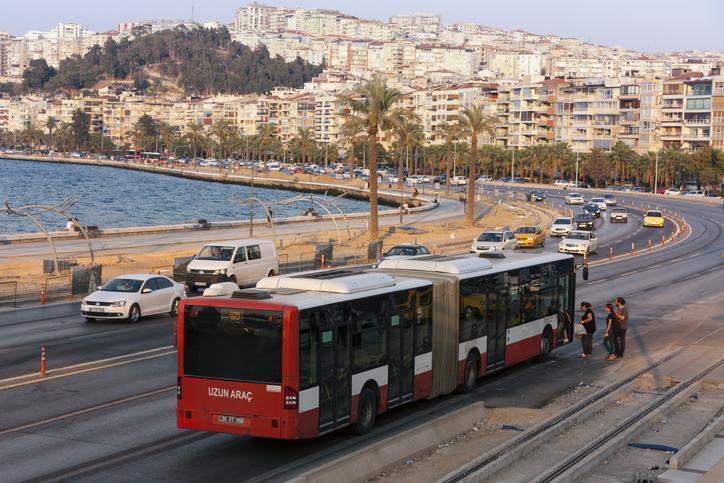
[717,113]
[649,116]
[697,113]
[329,114]
[261,18]
[462,60]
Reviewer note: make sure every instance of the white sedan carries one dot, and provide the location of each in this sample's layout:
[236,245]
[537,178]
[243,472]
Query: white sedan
[579,242]
[494,240]
[601,202]
[574,199]
[133,296]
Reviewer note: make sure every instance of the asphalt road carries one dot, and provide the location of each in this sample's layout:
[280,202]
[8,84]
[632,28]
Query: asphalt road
[53,429]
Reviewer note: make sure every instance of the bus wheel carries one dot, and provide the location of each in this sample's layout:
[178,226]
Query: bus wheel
[546,346]
[366,412]
[470,375]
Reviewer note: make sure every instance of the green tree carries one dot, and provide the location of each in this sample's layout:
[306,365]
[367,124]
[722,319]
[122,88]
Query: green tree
[375,107]
[37,74]
[473,123]
[194,134]
[50,124]
[597,167]
[352,129]
[80,127]
[452,132]
[267,135]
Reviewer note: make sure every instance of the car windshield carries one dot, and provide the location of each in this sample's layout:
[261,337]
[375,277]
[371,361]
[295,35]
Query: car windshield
[562,221]
[577,236]
[575,195]
[491,237]
[590,207]
[400,251]
[525,230]
[582,216]
[654,214]
[608,197]
[213,252]
[123,285]
[597,200]
[618,210]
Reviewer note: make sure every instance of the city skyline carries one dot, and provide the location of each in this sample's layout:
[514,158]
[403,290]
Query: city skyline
[644,27]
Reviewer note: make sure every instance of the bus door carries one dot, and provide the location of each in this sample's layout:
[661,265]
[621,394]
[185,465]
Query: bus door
[495,320]
[334,377]
[401,360]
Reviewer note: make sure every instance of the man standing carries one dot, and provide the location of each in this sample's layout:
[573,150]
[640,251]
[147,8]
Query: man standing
[620,336]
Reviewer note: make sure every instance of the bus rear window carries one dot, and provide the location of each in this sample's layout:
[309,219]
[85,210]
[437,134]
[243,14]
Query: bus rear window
[233,344]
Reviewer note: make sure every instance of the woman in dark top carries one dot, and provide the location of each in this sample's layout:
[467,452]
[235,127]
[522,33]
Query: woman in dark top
[609,335]
[588,320]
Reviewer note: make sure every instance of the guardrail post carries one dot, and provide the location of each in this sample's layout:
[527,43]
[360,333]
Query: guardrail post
[649,244]
[42,293]
[42,361]
[663,239]
[434,249]
[610,253]
[322,261]
[633,248]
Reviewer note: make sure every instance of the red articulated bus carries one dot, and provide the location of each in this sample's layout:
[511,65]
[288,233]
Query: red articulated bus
[304,354]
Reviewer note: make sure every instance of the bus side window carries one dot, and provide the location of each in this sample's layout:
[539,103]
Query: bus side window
[423,321]
[308,344]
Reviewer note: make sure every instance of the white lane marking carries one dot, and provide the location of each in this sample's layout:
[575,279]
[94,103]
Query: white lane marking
[86,410]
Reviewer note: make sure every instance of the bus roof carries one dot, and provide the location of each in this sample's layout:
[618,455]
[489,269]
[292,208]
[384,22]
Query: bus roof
[469,265]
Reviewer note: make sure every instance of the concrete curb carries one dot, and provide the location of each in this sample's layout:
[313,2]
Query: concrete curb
[577,472]
[366,463]
[697,444]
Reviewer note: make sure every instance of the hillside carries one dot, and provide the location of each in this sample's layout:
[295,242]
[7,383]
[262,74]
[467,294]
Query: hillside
[200,61]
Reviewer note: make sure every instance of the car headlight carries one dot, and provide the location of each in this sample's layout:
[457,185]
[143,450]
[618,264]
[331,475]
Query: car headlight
[220,272]
[120,303]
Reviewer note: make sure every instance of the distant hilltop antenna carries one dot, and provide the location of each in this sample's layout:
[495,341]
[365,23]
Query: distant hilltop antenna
[192,11]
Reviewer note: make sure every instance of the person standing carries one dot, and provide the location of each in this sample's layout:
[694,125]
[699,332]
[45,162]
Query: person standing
[609,335]
[622,317]
[588,320]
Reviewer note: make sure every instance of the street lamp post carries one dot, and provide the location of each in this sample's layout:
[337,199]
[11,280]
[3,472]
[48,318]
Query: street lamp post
[512,166]
[251,205]
[577,170]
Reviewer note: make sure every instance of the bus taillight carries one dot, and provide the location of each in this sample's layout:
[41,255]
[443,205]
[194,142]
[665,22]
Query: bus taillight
[178,387]
[291,398]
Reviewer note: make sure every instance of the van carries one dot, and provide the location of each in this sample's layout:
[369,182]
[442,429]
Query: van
[243,262]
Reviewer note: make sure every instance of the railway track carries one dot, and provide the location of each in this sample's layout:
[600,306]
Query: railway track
[543,451]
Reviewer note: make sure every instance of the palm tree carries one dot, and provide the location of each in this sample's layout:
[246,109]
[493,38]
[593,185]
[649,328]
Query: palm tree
[266,134]
[166,133]
[375,107]
[473,122]
[51,123]
[194,133]
[408,132]
[304,143]
[451,132]
[352,128]
[137,136]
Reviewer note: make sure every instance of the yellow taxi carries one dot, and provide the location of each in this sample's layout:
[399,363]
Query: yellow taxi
[654,218]
[530,237]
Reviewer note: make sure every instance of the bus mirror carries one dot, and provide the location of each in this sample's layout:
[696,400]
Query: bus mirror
[585,271]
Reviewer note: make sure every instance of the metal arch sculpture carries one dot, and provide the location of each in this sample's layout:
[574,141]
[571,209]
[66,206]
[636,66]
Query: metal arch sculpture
[251,201]
[31,212]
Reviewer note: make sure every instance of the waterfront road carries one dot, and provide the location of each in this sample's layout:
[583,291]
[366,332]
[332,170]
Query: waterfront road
[116,421]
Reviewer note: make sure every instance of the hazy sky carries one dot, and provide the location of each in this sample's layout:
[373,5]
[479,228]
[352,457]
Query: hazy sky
[646,25]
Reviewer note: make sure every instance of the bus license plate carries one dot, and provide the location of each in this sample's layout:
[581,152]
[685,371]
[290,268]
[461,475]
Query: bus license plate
[239,421]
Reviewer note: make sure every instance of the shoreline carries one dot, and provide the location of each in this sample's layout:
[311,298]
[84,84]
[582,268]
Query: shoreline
[391,200]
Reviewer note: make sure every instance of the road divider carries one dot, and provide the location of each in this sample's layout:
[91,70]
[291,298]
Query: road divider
[368,462]
[84,367]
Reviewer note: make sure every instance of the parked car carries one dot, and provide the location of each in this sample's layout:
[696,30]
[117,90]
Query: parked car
[484,178]
[695,194]
[560,183]
[574,199]
[592,209]
[610,199]
[577,184]
[579,242]
[618,215]
[672,192]
[530,237]
[535,195]
[458,180]
[243,262]
[406,250]
[415,179]
[494,240]
[133,296]
[600,201]
[561,226]
[654,219]
[583,221]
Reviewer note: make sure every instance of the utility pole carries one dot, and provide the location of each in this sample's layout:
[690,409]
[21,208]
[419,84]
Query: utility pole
[512,166]
[251,205]
[577,170]
[656,173]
